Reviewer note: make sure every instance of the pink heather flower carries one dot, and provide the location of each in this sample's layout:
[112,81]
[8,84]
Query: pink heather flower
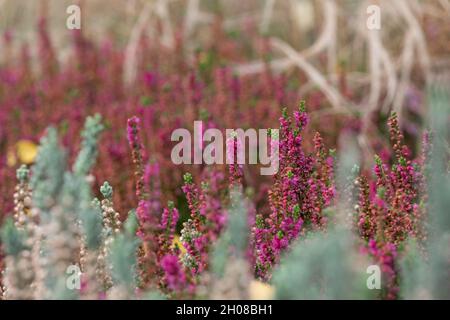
[151,79]
[397,137]
[385,256]
[193,196]
[234,146]
[389,210]
[169,219]
[148,211]
[148,222]
[133,128]
[168,226]
[153,183]
[195,92]
[142,211]
[235,89]
[301,119]
[206,220]
[303,187]
[137,149]
[174,276]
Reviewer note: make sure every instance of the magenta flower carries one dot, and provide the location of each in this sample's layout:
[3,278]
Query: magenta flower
[174,276]
[303,187]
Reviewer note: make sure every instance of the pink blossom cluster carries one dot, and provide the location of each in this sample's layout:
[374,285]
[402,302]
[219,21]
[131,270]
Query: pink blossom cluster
[207,218]
[391,206]
[303,187]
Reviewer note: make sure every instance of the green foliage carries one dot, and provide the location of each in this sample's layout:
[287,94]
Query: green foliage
[414,276]
[64,200]
[13,239]
[23,173]
[48,171]
[302,106]
[234,240]
[430,278]
[323,266]
[131,224]
[106,190]
[92,225]
[96,203]
[187,177]
[86,157]
[439,201]
[123,254]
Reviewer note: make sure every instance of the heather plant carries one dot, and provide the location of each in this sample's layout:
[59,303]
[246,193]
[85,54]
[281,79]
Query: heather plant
[303,187]
[172,77]
[327,263]
[192,238]
[136,225]
[391,208]
[147,217]
[163,97]
[156,224]
[206,220]
[309,240]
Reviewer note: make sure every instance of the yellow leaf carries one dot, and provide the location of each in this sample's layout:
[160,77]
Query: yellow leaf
[26,151]
[261,291]
[176,242]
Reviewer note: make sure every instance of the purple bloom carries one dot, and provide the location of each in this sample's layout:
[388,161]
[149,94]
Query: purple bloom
[174,276]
